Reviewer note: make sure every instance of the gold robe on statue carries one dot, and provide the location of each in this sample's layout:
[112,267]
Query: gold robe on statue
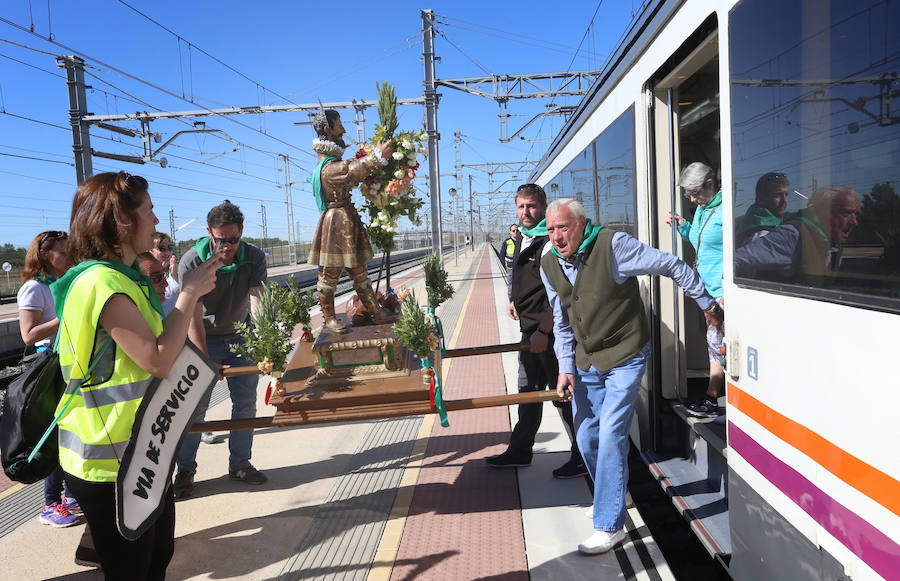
[340,238]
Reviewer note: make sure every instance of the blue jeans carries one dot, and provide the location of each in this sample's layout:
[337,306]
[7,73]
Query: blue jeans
[604,405]
[54,487]
[243,405]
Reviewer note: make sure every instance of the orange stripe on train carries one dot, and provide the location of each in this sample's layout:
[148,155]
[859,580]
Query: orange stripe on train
[865,478]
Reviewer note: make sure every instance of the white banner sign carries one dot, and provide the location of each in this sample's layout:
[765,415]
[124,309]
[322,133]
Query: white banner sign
[161,424]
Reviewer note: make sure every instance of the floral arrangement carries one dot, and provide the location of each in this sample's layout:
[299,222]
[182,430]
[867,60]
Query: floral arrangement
[268,339]
[389,192]
[420,333]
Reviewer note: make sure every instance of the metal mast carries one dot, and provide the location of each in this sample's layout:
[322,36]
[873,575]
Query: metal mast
[81,132]
[431,103]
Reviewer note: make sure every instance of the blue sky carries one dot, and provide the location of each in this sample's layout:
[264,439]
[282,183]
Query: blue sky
[300,51]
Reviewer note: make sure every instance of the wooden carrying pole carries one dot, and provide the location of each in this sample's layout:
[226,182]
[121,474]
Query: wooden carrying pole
[371,412]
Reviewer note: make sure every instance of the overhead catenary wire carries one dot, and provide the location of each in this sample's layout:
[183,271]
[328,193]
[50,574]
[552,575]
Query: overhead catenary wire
[149,84]
[213,57]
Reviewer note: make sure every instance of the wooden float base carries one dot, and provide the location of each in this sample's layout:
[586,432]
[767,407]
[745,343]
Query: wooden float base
[311,402]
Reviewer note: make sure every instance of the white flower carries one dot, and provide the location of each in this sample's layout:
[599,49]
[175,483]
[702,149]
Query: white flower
[412,162]
[406,144]
[411,155]
[399,174]
[388,228]
[383,216]
[397,155]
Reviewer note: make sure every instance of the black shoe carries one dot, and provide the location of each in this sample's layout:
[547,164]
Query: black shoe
[184,484]
[703,409]
[87,556]
[572,469]
[249,475]
[508,460]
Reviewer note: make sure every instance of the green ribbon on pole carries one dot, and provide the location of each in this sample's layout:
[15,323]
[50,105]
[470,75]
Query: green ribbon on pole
[440,328]
[437,396]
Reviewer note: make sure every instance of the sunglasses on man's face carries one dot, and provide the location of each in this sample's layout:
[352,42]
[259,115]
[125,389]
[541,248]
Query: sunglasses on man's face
[233,240]
[157,278]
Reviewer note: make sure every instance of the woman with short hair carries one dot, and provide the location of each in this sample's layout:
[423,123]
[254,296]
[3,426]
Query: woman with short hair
[106,297]
[698,181]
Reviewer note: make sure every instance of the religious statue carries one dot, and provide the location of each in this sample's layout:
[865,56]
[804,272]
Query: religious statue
[340,241]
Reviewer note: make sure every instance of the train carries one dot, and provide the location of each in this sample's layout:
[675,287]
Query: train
[799,478]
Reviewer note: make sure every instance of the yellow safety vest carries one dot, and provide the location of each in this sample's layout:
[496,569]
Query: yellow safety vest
[510,248]
[96,427]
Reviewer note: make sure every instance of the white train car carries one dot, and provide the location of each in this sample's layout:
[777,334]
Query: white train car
[799,478]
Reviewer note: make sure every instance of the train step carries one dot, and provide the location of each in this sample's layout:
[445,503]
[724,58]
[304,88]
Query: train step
[696,478]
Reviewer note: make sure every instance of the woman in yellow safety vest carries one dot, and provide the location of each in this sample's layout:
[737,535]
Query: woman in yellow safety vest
[105,296]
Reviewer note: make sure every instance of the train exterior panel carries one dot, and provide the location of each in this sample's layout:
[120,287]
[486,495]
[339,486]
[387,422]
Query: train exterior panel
[802,94]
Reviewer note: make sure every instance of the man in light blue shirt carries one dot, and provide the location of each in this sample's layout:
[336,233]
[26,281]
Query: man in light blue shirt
[602,344]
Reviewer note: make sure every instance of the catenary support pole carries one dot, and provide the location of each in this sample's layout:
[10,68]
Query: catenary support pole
[81,135]
[431,103]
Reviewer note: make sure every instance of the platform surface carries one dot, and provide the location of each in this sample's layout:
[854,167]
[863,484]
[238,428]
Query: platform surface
[388,499]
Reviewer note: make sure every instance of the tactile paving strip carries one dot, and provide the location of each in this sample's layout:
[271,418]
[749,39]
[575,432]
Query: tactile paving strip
[347,527]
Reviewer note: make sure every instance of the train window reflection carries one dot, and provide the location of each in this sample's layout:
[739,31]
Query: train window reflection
[816,148]
[602,177]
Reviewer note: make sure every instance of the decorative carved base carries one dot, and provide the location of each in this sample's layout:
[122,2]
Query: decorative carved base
[366,352]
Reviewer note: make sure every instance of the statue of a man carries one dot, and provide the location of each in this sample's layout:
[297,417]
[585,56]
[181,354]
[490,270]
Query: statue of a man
[340,241]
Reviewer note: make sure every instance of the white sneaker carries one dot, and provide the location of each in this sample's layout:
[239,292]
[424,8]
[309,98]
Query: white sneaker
[601,541]
[589,511]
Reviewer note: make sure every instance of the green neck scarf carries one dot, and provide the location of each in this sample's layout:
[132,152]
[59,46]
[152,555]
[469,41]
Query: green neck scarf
[590,234]
[60,288]
[809,218]
[316,180]
[757,216]
[45,279]
[540,229]
[204,251]
[715,201]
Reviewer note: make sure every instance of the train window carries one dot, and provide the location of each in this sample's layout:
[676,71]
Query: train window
[816,149]
[602,177]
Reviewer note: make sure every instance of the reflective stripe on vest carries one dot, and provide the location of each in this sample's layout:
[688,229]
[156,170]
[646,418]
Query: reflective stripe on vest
[97,425]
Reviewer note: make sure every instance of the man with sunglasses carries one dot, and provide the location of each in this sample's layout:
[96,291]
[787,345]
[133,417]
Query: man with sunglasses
[239,284]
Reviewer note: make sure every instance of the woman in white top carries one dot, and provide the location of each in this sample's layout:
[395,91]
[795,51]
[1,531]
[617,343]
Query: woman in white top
[45,261]
[163,251]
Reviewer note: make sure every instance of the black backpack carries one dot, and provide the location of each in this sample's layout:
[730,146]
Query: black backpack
[29,442]
[28,409]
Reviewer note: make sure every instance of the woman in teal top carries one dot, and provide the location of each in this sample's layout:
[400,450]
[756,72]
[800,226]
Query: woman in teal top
[704,233]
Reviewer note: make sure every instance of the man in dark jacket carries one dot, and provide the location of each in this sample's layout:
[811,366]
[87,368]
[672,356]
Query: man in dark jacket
[538,368]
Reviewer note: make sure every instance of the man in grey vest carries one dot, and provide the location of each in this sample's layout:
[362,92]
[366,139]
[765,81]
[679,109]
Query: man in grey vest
[528,304]
[602,344]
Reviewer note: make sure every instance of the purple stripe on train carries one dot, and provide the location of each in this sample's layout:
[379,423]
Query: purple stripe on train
[868,543]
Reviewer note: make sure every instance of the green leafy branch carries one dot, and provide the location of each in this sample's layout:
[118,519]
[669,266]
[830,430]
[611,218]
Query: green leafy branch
[436,285]
[415,329]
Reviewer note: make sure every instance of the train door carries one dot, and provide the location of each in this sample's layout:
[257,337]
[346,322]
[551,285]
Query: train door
[688,454]
[685,130]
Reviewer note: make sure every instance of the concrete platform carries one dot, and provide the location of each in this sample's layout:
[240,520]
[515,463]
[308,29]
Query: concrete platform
[402,498]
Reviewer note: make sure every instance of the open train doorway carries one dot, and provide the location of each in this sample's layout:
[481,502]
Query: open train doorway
[685,131]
